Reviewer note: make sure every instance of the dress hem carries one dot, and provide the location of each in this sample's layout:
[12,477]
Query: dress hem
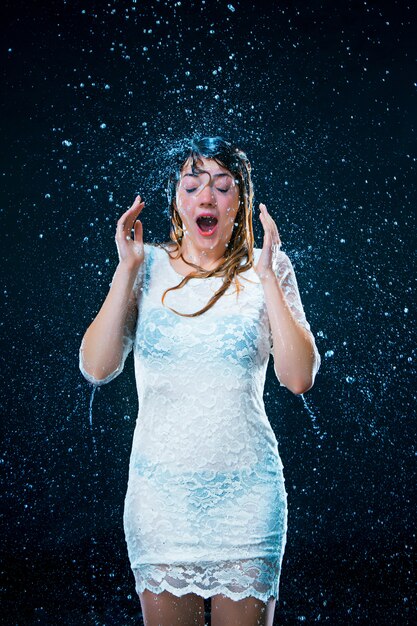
[207,593]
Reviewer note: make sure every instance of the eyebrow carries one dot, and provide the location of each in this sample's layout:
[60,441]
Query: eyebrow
[222,174]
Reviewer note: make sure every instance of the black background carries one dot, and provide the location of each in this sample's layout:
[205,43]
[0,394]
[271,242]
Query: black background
[321,96]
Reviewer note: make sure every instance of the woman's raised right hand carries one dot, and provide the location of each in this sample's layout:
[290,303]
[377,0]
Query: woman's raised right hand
[131,251]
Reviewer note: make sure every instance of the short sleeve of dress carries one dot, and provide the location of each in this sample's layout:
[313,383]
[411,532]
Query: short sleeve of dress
[285,273]
[128,332]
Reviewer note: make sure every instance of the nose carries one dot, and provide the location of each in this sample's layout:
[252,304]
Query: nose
[206,194]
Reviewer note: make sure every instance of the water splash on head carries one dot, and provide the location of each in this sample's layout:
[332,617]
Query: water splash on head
[162,168]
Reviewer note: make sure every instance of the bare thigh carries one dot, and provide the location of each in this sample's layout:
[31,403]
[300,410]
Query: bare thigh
[245,612]
[165,609]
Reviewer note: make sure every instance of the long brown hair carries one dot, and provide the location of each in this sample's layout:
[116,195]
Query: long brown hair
[240,246]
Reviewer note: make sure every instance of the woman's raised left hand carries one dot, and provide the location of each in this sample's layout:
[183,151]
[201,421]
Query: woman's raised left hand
[271,245]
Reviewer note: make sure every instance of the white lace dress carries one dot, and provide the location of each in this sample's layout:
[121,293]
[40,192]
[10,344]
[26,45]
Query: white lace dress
[206,505]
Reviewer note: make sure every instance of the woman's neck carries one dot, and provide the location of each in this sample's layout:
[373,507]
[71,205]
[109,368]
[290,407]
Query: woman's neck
[207,259]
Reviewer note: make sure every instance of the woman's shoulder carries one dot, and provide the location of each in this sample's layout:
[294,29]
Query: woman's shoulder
[151,245]
[155,248]
[281,263]
[155,254]
[280,255]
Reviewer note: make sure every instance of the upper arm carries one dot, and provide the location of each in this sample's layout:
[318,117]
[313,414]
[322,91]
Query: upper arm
[128,333]
[285,273]
[286,276]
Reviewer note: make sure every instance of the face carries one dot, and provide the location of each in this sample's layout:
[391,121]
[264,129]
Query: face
[212,192]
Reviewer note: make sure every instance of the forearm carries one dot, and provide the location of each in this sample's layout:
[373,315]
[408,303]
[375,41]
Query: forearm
[102,344]
[296,359]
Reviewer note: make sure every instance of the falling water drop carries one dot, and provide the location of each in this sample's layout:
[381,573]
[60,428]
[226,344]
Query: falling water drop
[93,556]
[90,414]
[91,405]
[313,417]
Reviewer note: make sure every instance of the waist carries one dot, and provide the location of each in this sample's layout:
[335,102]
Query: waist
[266,468]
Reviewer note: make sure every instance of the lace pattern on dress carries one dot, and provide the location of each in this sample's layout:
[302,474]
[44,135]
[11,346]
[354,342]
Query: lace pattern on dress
[288,282]
[235,579]
[206,507]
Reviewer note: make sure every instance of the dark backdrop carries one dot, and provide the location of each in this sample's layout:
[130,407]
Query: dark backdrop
[321,95]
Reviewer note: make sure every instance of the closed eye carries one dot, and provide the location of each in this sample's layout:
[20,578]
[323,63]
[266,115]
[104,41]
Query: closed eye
[194,188]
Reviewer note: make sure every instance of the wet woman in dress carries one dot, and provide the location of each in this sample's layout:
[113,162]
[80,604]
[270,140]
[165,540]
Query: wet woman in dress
[206,508]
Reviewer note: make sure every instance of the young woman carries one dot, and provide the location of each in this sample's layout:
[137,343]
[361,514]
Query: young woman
[206,506]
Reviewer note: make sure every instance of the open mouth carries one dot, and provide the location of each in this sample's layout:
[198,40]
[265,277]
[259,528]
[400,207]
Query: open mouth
[207,224]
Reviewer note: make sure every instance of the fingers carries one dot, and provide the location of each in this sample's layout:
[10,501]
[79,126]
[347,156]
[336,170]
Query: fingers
[138,228]
[269,225]
[135,209]
[133,213]
[126,221]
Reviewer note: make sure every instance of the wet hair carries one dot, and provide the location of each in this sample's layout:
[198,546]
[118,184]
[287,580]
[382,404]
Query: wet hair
[239,251]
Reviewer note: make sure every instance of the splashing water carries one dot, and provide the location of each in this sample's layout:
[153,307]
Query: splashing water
[93,559]
[90,413]
[313,417]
